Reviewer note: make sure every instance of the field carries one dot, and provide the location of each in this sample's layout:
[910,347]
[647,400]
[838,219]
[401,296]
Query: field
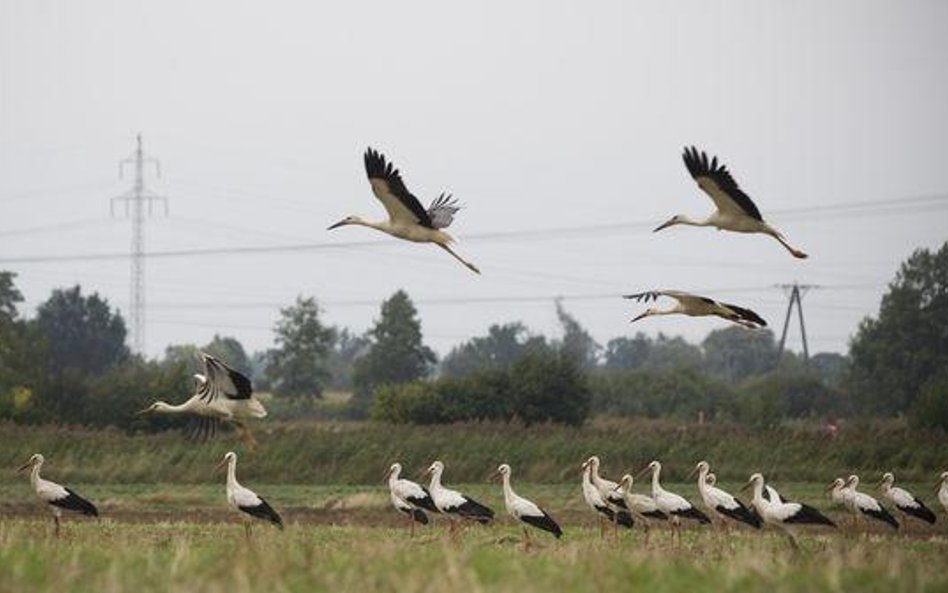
[165,525]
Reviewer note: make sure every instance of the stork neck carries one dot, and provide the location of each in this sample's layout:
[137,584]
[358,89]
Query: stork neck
[393,477]
[508,491]
[702,477]
[382,225]
[35,475]
[166,408]
[656,486]
[435,479]
[232,472]
[758,492]
[684,219]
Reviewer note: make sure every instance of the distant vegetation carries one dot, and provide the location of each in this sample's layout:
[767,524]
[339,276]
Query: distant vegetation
[69,364]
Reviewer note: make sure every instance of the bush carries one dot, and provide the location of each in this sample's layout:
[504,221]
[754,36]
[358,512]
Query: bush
[930,409]
[768,399]
[682,394]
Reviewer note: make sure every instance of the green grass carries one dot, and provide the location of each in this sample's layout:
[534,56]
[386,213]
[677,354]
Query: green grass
[107,556]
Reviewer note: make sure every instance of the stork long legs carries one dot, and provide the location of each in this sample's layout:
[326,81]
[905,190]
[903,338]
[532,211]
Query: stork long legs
[246,435]
[469,265]
[56,523]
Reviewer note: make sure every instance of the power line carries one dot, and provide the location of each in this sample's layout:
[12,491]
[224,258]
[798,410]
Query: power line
[591,231]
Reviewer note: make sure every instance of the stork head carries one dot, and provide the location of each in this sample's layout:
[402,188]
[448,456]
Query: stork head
[648,312]
[436,467]
[888,478]
[155,408]
[503,470]
[229,457]
[394,470]
[35,459]
[756,480]
[701,467]
[837,483]
[676,219]
[853,481]
[346,221]
[625,484]
[653,467]
[942,479]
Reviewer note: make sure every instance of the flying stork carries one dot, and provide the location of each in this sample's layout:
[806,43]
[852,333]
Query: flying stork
[904,500]
[642,508]
[409,498]
[721,504]
[774,510]
[223,395]
[452,502]
[735,210]
[58,497]
[407,218]
[696,306]
[672,504]
[245,500]
[525,511]
[598,503]
[861,503]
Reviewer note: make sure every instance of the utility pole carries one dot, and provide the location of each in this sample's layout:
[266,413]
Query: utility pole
[135,201]
[795,292]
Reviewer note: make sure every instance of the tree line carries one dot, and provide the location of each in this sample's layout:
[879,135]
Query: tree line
[69,363]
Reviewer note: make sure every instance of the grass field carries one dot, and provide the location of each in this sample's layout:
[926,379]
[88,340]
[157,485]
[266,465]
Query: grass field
[165,525]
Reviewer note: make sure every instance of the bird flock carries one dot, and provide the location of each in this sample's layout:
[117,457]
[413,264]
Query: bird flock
[614,503]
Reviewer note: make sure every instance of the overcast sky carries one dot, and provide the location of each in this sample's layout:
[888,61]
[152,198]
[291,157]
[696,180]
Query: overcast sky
[562,117]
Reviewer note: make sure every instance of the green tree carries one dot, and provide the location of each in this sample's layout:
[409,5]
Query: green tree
[898,351]
[577,342]
[628,353]
[549,386]
[735,353]
[396,353]
[347,348]
[502,346]
[673,353]
[930,409]
[232,352]
[298,366]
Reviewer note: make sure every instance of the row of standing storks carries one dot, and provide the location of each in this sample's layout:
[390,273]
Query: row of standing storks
[613,502]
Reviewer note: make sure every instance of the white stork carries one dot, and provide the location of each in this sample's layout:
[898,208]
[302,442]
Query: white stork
[943,490]
[452,502]
[735,210]
[642,508]
[774,510]
[58,497]
[525,511]
[904,500]
[606,500]
[407,218]
[223,395]
[721,504]
[598,501]
[839,493]
[672,504]
[696,306]
[409,498]
[861,503]
[245,500]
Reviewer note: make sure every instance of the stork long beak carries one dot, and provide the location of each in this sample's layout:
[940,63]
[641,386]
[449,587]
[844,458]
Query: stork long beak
[637,317]
[693,473]
[642,472]
[747,486]
[337,225]
[24,466]
[664,225]
[829,487]
[493,477]
[143,412]
[220,465]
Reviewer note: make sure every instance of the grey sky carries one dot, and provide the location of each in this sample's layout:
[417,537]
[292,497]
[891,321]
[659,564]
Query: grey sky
[537,115]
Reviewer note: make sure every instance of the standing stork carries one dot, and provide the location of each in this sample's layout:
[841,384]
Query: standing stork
[696,306]
[861,503]
[904,500]
[407,218]
[721,504]
[608,489]
[642,508]
[452,502]
[58,497]
[409,498]
[525,511]
[840,494]
[245,500]
[735,210]
[774,510]
[223,395]
[942,487]
[600,505]
[672,504]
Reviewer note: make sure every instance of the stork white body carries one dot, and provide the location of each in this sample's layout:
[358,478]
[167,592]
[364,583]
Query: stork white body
[735,212]
[607,488]
[695,305]
[907,503]
[864,505]
[407,218]
[56,496]
[943,490]
[223,395]
[785,515]
[409,498]
[526,511]
[721,504]
[244,500]
[673,505]
[598,502]
[453,503]
[642,508]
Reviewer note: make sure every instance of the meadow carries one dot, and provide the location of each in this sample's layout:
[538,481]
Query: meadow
[165,525]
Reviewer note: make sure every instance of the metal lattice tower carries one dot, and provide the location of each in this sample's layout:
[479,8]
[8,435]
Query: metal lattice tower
[135,201]
[795,292]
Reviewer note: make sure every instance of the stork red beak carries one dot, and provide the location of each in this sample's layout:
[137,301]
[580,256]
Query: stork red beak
[143,412]
[220,465]
[337,225]
[747,486]
[24,466]
[693,473]
[493,477]
[830,486]
[642,471]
